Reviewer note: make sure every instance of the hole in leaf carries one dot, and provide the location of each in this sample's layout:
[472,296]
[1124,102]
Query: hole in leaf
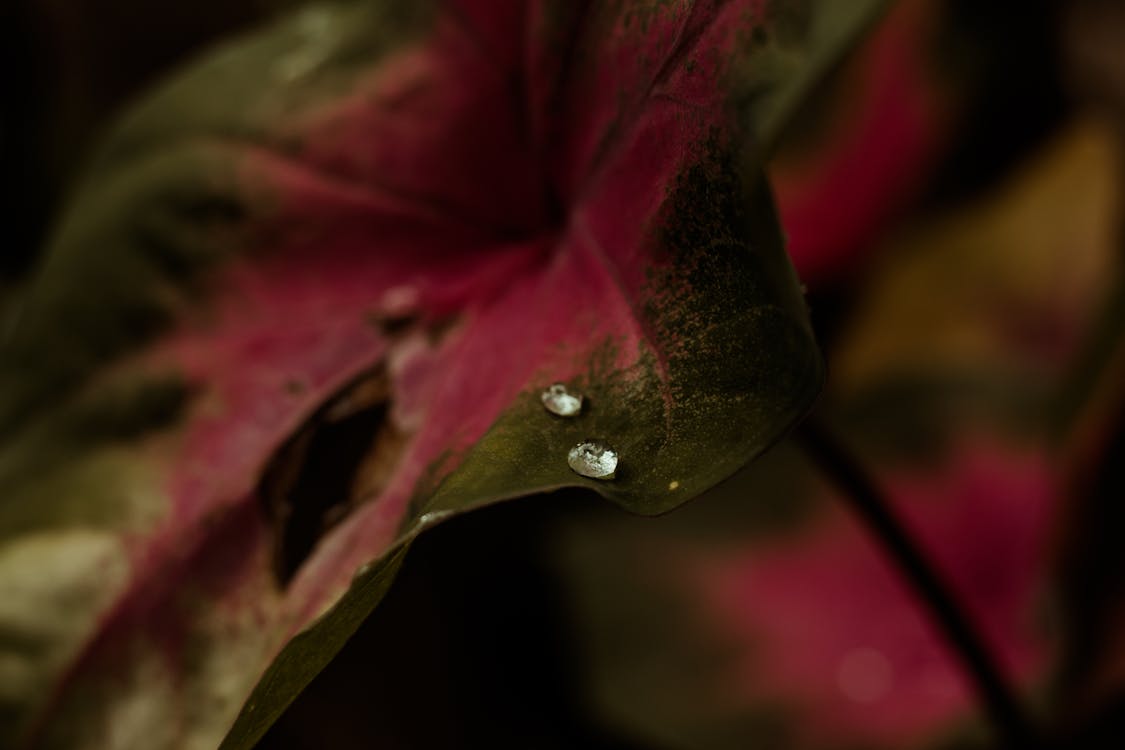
[394,326]
[342,457]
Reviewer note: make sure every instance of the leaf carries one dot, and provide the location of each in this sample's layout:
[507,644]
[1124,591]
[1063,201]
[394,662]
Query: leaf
[789,628]
[741,633]
[870,147]
[395,222]
[1020,273]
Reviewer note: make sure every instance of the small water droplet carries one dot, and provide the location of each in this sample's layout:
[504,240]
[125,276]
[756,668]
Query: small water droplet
[593,459]
[560,401]
[434,516]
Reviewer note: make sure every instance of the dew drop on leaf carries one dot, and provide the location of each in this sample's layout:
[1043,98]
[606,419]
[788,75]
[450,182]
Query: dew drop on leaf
[558,400]
[593,459]
[434,517]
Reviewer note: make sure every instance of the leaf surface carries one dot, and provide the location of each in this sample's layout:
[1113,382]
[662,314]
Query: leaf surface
[389,225]
[790,628]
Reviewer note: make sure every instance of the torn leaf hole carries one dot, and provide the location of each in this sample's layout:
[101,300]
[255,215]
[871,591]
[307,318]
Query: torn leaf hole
[397,327]
[344,456]
[392,326]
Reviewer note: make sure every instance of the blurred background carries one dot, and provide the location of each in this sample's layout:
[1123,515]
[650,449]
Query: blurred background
[953,197]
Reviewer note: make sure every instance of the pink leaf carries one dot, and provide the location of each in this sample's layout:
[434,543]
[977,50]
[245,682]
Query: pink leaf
[398,223]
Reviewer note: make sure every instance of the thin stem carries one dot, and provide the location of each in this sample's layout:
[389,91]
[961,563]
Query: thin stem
[1011,722]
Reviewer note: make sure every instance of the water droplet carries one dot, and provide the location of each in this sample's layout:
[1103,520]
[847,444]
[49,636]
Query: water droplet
[593,459]
[558,400]
[434,516]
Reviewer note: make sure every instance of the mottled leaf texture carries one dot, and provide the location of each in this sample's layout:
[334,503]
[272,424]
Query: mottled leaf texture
[306,299]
